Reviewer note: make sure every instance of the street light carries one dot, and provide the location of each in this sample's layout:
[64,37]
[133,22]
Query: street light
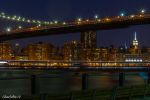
[132,16]
[39,25]
[8,17]
[8,29]
[20,27]
[122,14]
[79,19]
[96,16]
[28,21]
[143,11]
[56,22]
[64,23]
[4,16]
[23,19]
[99,20]
[87,20]
[51,23]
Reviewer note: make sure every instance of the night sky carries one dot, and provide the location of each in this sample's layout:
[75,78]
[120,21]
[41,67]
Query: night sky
[71,9]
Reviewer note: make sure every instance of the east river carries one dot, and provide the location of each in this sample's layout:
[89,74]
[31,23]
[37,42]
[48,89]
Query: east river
[16,82]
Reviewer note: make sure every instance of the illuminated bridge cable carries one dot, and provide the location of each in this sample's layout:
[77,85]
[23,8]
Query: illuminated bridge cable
[78,21]
[22,19]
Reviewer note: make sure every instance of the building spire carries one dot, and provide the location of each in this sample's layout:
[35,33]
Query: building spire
[125,45]
[135,41]
[135,38]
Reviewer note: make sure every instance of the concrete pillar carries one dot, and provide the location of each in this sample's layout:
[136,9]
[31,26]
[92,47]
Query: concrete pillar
[84,81]
[148,78]
[121,79]
[33,84]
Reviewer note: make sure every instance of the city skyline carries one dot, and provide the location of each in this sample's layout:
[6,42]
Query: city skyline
[124,43]
[75,49]
[84,50]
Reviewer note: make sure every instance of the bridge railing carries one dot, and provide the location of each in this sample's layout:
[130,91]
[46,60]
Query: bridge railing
[67,64]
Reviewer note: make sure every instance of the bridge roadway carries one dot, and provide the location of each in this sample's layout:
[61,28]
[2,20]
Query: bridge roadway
[81,70]
[77,66]
[82,26]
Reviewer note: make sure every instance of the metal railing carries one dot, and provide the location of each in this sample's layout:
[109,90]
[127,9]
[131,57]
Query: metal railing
[67,64]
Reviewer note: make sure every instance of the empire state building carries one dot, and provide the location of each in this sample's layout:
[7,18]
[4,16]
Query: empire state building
[135,42]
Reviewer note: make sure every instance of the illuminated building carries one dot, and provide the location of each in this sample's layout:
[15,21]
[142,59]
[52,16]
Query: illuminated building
[17,49]
[91,54]
[57,54]
[134,47]
[112,55]
[146,53]
[88,39]
[122,50]
[71,50]
[39,51]
[133,58]
[88,44]
[5,51]
[104,54]
[96,55]
[135,42]
[21,57]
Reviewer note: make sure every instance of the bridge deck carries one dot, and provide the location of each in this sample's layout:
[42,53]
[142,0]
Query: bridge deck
[112,23]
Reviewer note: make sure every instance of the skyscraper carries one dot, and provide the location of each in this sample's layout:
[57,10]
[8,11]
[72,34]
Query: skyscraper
[134,46]
[39,51]
[88,39]
[5,51]
[135,42]
[71,50]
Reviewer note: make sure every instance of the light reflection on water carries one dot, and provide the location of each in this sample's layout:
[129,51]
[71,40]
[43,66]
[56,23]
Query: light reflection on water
[64,82]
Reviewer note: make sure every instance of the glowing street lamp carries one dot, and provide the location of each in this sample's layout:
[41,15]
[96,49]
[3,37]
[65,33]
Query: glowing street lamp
[33,21]
[99,20]
[143,11]
[4,16]
[8,29]
[56,22]
[28,21]
[96,16]
[132,16]
[51,23]
[122,14]
[20,27]
[15,16]
[87,20]
[39,22]
[23,19]
[79,19]
[8,17]
[64,23]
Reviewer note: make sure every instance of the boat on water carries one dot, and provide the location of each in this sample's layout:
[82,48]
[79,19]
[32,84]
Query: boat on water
[3,63]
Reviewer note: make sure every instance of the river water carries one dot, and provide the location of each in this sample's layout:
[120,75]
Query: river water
[62,82]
